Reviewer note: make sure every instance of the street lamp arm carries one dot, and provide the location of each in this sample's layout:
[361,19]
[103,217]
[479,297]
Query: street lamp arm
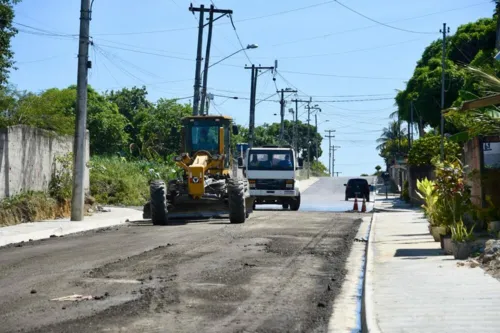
[229,56]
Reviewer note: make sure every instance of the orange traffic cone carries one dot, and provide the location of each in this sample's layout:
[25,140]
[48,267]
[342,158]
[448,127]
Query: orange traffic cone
[363,206]
[355,208]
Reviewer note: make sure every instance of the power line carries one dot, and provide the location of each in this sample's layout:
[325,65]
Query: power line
[345,76]
[239,39]
[286,11]
[352,51]
[372,26]
[381,23]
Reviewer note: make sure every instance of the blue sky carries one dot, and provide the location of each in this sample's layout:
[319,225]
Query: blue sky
[324,51]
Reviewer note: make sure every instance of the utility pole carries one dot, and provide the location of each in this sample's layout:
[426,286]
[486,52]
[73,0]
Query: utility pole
[443,68]
[309,107]
[330,136]
[410,131]
[207,59]
[315,139]
[282,111]
[333,159]
[79,148]
[253,90]
[196,102]
[297,119]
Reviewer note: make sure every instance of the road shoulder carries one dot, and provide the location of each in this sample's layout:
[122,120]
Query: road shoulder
[42,230]
[346,314]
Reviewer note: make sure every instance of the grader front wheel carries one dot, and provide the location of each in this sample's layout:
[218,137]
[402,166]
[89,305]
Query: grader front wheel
[159,212]
[236,198]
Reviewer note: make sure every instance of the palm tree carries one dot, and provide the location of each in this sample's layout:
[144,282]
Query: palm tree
[392,132]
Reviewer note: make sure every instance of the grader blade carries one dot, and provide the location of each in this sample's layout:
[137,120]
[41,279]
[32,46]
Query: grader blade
[185,207]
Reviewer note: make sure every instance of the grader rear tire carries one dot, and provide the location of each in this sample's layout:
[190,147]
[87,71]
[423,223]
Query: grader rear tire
[237,205]
[159,212]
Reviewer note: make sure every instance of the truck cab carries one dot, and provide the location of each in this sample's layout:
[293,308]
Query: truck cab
[272,176]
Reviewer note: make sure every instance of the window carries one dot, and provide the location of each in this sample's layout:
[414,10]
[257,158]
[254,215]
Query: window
[491,151]
[205,137]
[269,160]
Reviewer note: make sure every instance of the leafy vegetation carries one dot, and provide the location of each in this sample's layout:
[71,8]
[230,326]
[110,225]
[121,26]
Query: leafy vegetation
[116,181]
[426,148]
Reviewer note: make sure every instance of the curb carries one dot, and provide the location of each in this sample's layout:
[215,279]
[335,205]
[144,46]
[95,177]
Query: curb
[368,321]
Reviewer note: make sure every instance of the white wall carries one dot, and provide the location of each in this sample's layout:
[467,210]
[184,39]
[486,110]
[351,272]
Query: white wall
[27,158]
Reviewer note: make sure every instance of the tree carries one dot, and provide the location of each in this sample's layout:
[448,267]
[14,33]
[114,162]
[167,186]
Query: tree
[7,31]
[426,148]
[389,133]
[471,42]
[131,102]
[497,14]
[159,127]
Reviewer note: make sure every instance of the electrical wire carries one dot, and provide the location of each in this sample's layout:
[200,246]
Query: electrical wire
[345,76]
[372,26]
[383,24]
[239,39]
[352,51]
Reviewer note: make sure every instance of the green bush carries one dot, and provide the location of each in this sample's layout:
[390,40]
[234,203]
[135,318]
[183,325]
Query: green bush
[116,181]
[427,147]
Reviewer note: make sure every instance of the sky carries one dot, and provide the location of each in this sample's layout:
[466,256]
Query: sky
[350,65]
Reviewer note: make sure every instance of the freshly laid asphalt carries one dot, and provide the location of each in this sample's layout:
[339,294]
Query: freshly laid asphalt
[278,272]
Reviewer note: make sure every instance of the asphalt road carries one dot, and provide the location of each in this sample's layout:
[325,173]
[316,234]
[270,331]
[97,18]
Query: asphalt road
[278,272]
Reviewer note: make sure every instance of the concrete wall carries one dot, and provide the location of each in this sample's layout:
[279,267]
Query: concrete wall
[27,158]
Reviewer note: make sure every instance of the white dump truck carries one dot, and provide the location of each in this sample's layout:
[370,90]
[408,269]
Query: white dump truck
[272,175]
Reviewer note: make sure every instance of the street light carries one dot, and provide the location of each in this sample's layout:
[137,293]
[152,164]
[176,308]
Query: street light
[249,46]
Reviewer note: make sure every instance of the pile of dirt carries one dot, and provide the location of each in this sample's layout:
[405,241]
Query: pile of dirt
[490,258]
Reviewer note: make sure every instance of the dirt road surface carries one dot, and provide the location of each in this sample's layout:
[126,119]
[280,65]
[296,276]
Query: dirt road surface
[278,272]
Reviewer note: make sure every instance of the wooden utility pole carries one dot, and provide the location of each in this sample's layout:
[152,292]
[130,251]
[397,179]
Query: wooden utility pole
[79,148]
[199,106]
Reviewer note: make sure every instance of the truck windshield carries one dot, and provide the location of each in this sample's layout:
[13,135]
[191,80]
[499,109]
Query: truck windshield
[270,160]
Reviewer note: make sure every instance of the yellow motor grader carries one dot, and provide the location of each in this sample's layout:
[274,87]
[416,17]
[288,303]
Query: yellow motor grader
[208,186]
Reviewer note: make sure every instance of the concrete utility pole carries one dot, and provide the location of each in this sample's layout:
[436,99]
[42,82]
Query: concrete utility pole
[199,107]
[330,137]
[253,90]
[79,148]
[282,112]
[443,68]
[199,58]
[334,148]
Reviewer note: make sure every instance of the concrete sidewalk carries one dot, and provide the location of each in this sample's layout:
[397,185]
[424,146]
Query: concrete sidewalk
[411,287]
[41,230]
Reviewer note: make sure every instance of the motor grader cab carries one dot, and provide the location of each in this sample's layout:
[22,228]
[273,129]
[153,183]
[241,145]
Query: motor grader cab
[207,186]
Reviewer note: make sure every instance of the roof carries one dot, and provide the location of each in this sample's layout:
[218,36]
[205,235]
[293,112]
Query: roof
[271,148]
[208,117]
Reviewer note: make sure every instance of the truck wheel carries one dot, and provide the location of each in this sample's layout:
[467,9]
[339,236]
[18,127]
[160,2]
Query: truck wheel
[237,205]
[159,212]
[295,204]
[285,206]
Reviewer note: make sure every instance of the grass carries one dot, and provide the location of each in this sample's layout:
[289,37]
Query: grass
[116,181]
[113,181]
[31,207]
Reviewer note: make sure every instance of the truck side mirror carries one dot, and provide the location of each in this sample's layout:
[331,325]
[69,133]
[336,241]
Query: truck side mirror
[240,162]
[236,130]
